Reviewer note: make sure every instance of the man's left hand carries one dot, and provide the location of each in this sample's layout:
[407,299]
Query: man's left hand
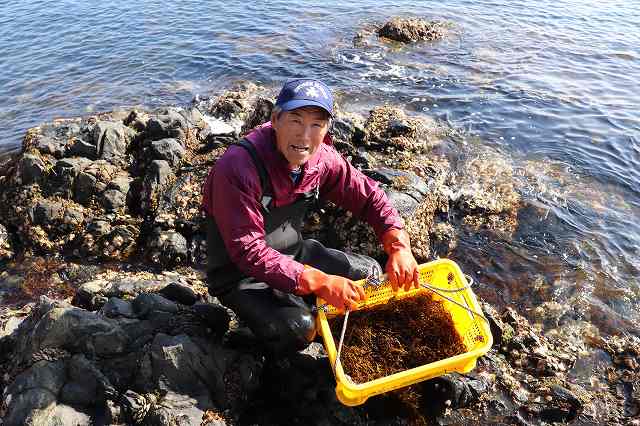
[401,268]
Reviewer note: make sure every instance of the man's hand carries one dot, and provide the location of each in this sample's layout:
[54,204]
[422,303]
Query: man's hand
[337,291]
[402,268]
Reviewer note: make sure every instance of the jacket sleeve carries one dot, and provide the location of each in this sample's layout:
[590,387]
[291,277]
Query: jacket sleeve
[349,188]
[234,202]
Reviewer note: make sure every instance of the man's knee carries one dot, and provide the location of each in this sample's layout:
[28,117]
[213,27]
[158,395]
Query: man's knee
[293,332]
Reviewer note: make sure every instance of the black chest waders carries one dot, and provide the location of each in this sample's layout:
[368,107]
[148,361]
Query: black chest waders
[282,230]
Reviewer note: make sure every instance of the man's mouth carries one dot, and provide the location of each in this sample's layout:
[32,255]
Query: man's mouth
[299,148]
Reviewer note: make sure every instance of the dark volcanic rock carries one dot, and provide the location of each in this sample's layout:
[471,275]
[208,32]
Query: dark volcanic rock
[348,129]
[180,293]
[113,200]
[121,367]
[32,169]
[111,139]
[65,171]
[408,30]
[260,113]
[156,178]
[85,187]
[167,149]
[167,123]
[81,148]
[168,248]
[47,212]
[402,181]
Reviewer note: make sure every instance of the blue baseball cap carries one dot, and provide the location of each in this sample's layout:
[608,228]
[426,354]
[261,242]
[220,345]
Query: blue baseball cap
[305,92]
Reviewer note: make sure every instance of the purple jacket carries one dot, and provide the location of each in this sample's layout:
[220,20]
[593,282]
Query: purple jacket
[232,194]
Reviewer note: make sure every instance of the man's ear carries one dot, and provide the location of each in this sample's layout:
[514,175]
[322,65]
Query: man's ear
[274,119]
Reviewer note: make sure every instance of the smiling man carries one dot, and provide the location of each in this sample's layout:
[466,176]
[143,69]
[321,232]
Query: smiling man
[256,197]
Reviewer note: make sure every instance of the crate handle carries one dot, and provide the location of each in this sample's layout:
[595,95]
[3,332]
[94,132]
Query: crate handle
[438,290]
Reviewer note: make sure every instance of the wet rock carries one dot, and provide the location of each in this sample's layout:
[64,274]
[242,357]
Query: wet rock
[167,149]
[559,405]
[6,251]
[388,128]
[502,332]
[453,390]
[167,248]
[363,160]
[487,185]
[401,181]
[32,169]
[180,293]
[407,30]
[444,239]
[112,139]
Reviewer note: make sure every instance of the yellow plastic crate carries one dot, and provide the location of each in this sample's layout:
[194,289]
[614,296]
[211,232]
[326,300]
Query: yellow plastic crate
[473,329]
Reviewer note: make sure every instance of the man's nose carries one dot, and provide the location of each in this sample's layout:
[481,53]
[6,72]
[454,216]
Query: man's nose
[306,133]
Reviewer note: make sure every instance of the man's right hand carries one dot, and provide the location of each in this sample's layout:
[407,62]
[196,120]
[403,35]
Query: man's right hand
[335,290]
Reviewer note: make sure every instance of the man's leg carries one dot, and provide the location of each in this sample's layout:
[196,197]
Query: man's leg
[336,262]
[283,322]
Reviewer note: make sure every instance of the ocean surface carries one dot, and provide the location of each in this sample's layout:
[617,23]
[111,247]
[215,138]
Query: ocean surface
[552,86]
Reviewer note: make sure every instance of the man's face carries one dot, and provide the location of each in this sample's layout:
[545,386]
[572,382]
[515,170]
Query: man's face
[299,133]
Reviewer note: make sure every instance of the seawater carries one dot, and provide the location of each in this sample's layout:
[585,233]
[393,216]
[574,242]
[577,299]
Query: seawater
[553,86]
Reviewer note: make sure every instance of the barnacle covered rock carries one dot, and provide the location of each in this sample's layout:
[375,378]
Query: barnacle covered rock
[388,129]
[407,30]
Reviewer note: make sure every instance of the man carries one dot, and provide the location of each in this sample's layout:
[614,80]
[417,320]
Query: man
[255,199]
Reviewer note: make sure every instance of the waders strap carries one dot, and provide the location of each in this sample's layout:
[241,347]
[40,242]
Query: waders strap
[262,172]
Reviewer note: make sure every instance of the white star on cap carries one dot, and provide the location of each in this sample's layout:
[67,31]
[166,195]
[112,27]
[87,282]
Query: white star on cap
[312,92]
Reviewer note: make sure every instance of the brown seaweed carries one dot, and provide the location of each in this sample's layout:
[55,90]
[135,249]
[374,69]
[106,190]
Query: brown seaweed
[397,336]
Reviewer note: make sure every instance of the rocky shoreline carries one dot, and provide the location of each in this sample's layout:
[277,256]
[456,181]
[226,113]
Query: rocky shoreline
[105,317]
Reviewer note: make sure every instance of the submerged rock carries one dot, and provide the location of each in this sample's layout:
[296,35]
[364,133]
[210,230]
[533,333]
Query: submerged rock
[407,30]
